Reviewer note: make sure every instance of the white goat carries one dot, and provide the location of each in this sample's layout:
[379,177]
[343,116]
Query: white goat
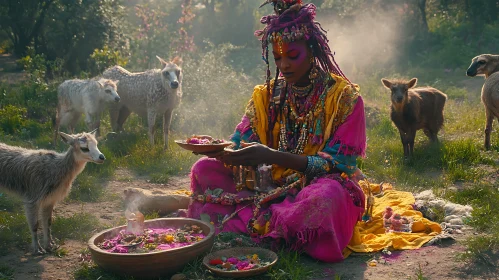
[487,65]
[83,96]
[150,93]
[42,178]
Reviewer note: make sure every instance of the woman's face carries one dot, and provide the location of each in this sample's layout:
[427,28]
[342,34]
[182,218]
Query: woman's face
[293,61]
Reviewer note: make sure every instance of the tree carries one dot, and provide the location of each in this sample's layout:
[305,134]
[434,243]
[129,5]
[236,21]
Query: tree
[422,9]
[77,28]
[63,29]
[23,21]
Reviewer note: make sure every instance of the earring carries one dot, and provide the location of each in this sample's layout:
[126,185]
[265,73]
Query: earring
[314,72]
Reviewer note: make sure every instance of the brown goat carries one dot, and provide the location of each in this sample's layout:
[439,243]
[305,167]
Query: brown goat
[415,108]
[487,65]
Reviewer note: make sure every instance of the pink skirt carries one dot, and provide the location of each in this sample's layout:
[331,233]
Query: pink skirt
[319,220]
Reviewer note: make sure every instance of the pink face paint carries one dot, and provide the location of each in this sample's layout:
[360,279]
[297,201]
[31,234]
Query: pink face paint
[293,61]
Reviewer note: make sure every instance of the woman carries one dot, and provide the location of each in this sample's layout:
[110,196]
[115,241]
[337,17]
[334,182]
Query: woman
[309,125]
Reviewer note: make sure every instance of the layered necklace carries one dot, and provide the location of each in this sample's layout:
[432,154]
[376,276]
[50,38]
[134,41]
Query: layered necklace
[302,116]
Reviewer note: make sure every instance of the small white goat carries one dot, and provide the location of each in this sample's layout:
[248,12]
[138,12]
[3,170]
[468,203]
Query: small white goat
[487,65]
[150,93]
[42,178]
[76,97]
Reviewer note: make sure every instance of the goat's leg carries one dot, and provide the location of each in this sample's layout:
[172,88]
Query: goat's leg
[48,243]
[123,115]
[411,135]
[431,134]
[89,121]
[151,122]
[404,143]
[488,127]
[92,120]
[167,119]
[114,112]
[32,210]
[74,119]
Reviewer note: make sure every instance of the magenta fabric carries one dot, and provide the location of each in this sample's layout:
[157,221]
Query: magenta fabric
[319,220]
[352,133]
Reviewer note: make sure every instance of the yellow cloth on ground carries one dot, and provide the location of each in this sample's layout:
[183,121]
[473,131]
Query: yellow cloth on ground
[371,236]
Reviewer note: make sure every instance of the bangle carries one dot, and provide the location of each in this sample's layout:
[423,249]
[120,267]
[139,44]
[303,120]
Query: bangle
[316,166]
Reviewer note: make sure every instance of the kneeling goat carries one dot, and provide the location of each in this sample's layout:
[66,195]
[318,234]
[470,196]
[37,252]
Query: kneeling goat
[42,178]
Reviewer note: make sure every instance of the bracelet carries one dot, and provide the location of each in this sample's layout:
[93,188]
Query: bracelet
[316,166]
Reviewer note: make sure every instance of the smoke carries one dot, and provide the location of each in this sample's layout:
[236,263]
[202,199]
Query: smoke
[365,44]
[133,200]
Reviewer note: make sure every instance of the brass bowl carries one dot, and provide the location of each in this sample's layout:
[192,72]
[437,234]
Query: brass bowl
[203,148]
[262,253]
[154,264]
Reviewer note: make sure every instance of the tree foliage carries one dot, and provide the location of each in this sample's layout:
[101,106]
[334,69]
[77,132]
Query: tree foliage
[65,29]
[138,30]
[23,21]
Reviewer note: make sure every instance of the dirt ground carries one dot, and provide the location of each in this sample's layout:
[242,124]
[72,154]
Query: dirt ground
[435,262]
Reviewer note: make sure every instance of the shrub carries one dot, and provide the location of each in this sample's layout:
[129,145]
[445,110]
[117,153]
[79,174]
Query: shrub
[12,119]
[104,58]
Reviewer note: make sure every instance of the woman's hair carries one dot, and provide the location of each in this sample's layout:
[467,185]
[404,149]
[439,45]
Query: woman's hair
[293,21]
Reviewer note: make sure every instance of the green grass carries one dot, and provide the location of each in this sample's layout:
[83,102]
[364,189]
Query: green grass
[459,158]
[91,271]
[290,267]
[419,274]
[14,229]
[9,202]
[6,272]
[87,188]
[60,252]
[79,226]
[144,159]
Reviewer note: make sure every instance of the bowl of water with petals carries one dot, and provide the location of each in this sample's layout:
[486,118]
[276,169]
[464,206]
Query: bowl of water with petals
[151,248]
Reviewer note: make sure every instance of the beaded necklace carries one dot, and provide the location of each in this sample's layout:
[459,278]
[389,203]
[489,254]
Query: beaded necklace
[302,123]
[301,91]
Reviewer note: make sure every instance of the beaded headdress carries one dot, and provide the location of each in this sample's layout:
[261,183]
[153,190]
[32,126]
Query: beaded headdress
[293,21]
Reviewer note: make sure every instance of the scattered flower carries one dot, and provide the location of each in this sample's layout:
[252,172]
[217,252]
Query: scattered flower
[152,239]
[234,263]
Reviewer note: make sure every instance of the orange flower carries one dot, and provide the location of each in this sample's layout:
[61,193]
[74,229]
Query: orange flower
[169,238]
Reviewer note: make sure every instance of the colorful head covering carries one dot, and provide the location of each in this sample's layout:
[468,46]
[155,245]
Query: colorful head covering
[295,21]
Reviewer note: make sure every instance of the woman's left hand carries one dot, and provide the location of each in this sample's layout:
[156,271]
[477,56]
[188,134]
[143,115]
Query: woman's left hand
[252,154]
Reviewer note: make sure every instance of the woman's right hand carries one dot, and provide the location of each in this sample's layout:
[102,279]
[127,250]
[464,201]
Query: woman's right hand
[251,154]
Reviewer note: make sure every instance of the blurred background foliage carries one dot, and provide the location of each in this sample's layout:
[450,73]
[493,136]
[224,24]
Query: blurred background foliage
[58,39]
[436,32]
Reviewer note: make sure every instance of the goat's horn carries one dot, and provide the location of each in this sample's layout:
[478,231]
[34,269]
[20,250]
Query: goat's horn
[94,131]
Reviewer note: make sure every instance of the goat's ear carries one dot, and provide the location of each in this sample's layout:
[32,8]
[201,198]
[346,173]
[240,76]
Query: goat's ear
[94,132]
[68,139]
[386,83]
[101,82]
[163,62]
[116,82]
[177,60]
[412,83]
